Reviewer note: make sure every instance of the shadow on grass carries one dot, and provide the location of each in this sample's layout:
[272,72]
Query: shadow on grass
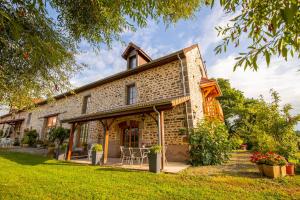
[23,158]
[119,169]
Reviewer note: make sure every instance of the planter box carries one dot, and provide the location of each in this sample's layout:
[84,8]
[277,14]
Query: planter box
[154,162]
[274,171]
[96,157]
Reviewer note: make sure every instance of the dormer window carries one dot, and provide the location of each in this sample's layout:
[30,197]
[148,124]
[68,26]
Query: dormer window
[132,62]
[135,56]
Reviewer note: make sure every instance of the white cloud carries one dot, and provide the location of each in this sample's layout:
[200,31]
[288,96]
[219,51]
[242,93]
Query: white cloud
[281,76]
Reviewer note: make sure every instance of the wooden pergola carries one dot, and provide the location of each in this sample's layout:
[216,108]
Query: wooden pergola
[211,106]
[108,117]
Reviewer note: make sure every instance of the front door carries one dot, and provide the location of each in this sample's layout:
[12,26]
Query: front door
[130,134]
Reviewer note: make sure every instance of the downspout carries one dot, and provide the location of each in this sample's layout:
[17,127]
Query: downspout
[184,93]
[158,125]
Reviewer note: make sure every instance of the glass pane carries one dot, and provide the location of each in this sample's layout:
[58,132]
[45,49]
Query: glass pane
[132,62]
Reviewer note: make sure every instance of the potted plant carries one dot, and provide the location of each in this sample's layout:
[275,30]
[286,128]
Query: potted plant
[259,159]
[97,154]
[58,135]
[274,166]
[154,157]
[290,169]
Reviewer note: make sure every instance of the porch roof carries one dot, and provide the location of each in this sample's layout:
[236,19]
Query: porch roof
[12,121]
[163,104]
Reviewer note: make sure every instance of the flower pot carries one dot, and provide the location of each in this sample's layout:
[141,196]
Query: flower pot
[96,157]
[290,169]
[274,171]
[154,162]
[260,168]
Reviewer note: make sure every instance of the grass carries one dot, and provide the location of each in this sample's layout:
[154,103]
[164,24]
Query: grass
[25,176]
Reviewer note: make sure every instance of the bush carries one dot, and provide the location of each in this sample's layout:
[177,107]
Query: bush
[59,134]
[209,143]
[30,137]
[236,142]
[97,148]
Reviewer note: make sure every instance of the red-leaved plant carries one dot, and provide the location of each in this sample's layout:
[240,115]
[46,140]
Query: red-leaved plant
[269,158]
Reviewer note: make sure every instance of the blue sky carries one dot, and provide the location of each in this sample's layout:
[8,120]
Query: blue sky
[157,40]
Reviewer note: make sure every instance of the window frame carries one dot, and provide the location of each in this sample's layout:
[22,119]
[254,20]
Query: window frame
[86,100]
[131,100]
[136,61]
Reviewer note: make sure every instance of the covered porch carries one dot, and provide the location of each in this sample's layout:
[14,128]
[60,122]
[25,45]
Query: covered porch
[125,127]
[170,167]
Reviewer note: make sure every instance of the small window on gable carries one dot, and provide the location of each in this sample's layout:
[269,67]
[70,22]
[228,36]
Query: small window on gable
[131,94]
[86,103]
[132,62]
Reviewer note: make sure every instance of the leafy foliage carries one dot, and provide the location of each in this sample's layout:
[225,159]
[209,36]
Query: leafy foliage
[263,126]
[37,50]
[272,28]
[155,149]
[97,148]
[209,143]
[30,137]
[59,134]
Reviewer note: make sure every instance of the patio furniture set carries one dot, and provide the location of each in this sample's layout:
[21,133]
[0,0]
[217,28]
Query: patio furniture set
[130,154]
[6,142]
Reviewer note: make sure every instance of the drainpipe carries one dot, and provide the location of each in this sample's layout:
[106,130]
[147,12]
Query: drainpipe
[158,125]
[184,93]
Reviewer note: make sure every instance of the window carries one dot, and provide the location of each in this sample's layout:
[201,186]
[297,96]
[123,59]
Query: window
[131,94]
[132,62]
[81,135]
[86,103]
[29,118]
[51,122]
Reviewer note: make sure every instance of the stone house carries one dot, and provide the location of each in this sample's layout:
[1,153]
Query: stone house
[153,101]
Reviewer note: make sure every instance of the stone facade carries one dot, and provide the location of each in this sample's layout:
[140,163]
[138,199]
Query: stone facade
[160,82]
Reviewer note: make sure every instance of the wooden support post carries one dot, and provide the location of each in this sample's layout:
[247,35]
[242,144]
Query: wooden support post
[71,138]
[162,134]
[106,145]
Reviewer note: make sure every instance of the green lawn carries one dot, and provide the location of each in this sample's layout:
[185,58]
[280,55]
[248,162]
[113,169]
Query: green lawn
[24,176]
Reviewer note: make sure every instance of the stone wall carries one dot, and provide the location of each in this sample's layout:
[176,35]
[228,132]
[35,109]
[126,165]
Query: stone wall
[195,71]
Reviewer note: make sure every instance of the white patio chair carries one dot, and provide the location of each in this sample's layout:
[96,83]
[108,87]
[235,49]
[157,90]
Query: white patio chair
[136,154]
[127,155]
[144,154]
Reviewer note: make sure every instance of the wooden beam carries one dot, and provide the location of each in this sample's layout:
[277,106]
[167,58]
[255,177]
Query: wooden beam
[106,146]
[71,138]
[162,133]
[149,114]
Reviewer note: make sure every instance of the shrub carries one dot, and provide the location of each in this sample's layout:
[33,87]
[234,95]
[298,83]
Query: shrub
[236,142]
[155,149]
[209,143]
[97,148]
[25,140]
[30,137]
[269,158]
[58,134]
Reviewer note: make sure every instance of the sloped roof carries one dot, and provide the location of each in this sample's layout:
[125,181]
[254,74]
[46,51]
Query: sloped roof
[162,104]
[131,46]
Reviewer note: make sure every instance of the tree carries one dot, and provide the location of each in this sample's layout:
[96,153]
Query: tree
[59,135]
[264,126]
[37,50]
[272,27]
